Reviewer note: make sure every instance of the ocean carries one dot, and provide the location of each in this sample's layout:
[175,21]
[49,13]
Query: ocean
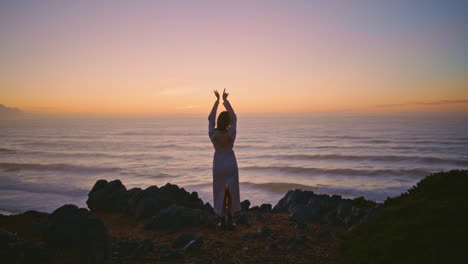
[45,163]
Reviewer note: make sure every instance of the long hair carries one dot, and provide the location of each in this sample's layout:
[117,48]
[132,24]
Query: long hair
[224,120]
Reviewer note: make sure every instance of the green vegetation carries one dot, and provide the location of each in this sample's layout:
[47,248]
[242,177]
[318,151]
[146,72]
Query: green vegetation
[427,224]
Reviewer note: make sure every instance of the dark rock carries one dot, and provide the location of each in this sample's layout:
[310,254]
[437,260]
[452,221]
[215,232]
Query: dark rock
[38,222]
[243,219]
[344,208]
[113,196]
[193,245]
[245,205]
[336,197]
[255,208]
[323,203]
[107,196]
[175,218]
[35,214]
[153,199]
[332,218]
[266,208]
[147,203]
[76,228]
[182,240]
[301,213]
[208,208]
[291,199]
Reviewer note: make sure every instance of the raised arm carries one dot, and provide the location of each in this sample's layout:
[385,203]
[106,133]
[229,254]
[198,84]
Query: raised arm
[233,130]
[212,117]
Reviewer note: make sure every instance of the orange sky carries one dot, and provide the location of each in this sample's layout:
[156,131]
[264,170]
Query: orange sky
[152,58]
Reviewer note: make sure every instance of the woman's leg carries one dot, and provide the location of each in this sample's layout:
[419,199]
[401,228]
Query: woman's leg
[228,199]
[228,204]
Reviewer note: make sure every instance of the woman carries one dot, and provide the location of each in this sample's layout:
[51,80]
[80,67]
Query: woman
[225,172]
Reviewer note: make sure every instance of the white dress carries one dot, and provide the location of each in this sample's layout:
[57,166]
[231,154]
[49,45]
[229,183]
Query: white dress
[225,170]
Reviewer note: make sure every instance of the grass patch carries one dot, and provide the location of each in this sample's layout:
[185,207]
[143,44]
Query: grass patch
[427,224]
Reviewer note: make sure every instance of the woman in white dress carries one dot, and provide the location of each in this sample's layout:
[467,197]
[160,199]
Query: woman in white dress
[225,171]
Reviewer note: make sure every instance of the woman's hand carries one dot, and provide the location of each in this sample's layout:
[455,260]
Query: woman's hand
[216,94]
[225,95]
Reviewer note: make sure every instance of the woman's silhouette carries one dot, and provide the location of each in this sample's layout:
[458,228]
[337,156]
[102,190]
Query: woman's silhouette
[225,171]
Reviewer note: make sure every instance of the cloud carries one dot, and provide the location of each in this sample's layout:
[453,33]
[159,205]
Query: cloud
[389,105]
[9,112]
[443,102]
[440,102]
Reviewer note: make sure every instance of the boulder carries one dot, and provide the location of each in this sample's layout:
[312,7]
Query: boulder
[113,196]
[308,206]
[107,196]
[245,205]
[265,208]
[323,203]
[153,199]
[255,208]
[176,217]
[208,208]
[291,199]
[76,228]
[344,208]
[302,213]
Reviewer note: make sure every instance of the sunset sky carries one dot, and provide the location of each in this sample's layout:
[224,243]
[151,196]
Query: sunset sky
[152,57]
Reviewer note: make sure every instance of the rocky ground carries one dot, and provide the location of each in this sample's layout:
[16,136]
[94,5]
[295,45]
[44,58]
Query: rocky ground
[171,225]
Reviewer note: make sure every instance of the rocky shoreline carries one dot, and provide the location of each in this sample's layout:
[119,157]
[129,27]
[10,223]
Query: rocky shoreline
[169,224]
